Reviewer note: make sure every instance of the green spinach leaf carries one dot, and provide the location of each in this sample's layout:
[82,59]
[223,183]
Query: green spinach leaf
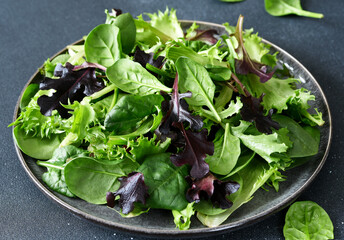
[304,144]
[91,179]
[35,146]
[130,110]
[226,152]
[166,183]
[127,27]
[54,177]
[103,45]
[307,220]
[286,7]
[131,77]
[195,78]
[28,94]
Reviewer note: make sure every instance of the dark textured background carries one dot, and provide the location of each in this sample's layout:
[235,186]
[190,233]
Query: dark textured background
[32,31]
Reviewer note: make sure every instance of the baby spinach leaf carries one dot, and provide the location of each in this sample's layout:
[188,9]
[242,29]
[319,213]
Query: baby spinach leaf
[206,207]
[71,86]
[224,96]
[28,94]
[244,159]
[35,146]
[127,27]
[195,78]
[91,179]
[286,7]
[132,189]
[166,183]
[307,220]
[226,152]
[219,73]
[304,144]
[54,177]
[103,45]
[130,110]
[131,77]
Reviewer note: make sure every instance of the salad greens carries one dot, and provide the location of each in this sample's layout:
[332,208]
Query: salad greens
[146,115]
[307,220]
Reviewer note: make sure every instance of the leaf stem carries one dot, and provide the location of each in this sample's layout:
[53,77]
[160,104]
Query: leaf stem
[103,92]
[49,165]
[114,99]
[305,13]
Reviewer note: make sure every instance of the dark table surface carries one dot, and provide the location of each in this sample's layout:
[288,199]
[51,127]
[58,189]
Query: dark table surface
[32,31]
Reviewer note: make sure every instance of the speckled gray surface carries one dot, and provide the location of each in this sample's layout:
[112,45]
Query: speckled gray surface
[31,31]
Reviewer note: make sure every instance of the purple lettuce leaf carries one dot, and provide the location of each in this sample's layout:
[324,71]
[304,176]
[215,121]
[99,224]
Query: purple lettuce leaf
[209,187]
[132,189]
[178,111]
[115,12]
[246,65]
[71,86]
[89,65]
[144,58]
[195,151]
[207,36]
[253,111]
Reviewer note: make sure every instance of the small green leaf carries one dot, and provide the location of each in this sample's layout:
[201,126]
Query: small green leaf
[103,45]
[286,7]
[34,146]
[307,220]
[127,27]
[166,183]
[182,218]
[130,110]
[28,94]
[195,78]
[54,177]
[91,179]
[131,77]
[226,152]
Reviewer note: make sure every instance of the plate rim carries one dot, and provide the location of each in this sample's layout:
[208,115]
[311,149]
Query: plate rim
[176,232]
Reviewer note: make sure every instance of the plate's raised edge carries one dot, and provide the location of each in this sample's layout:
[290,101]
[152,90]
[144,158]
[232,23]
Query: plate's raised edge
[191,232]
